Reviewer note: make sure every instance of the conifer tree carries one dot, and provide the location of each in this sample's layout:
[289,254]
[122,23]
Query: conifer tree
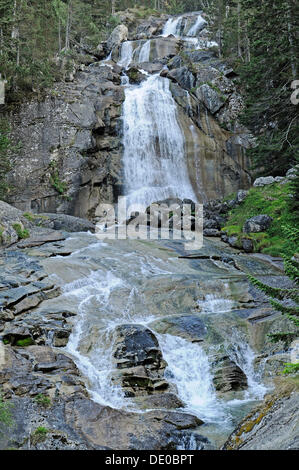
[285,301]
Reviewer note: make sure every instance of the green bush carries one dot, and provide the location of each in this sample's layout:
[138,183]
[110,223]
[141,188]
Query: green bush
[273,200]
[22,233]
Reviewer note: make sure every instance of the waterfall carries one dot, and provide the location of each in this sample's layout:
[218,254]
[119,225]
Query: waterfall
[189,369]
[195,28]
[144,54]
[172,26]
[126,54]
[154,145]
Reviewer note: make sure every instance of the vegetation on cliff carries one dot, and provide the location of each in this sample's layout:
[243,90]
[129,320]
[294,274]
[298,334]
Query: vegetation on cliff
[274,200]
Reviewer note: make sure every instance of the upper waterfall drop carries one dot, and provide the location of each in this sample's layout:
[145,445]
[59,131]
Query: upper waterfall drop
[154,147]
[172,26]
[193,31]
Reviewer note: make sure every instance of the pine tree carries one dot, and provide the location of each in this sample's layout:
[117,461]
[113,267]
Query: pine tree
[285,301]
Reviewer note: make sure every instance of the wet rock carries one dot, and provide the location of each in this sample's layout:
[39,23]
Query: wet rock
[228,376]
[263,181]
[163,400]
[118,35]
[135,75]
[183,77]
[38,239]
[139,359]
[189,327]
[259,223]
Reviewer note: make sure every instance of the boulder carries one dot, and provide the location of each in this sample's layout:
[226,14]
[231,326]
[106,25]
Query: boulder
[247,245]
[118,35]
[64,222]
[259,223]
[228,376]
[263,181]
[135,75]
[139,362]
[241,196]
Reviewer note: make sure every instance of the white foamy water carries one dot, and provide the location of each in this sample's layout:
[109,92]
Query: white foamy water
[172,26]
[91,292]
[193,31]
[126,54]
[154,154]
[189,369]
[215,304]
[243,355]
[144,54]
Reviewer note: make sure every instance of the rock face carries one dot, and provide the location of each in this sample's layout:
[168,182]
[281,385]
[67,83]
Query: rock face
[71,144]
[259,223]
[118,35]
[139,359]
[272,426]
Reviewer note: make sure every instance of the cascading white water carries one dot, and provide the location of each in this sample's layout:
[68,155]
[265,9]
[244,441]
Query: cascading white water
[91,291]
[126,54]
[242,354]
[154,152]
[144,54]
[189,369]
[172,26]
[193,31]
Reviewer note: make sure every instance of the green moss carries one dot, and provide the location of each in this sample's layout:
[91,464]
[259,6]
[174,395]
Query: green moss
[22,233]
[39,435]
[43,400]
[24,342]
[29,216]
[272,200]
[6,419]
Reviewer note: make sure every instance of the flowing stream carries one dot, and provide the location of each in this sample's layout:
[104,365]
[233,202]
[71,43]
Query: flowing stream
[111,283]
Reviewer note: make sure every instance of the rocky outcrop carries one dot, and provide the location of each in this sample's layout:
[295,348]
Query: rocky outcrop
[271,426]
[118,35]
[228,376]
[13,225]
[139,360]
[259,223]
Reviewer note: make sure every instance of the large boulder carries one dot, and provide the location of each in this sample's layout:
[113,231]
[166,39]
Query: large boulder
[264,181]
[228,376]
[139,360]
[118,35]
[259,223]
